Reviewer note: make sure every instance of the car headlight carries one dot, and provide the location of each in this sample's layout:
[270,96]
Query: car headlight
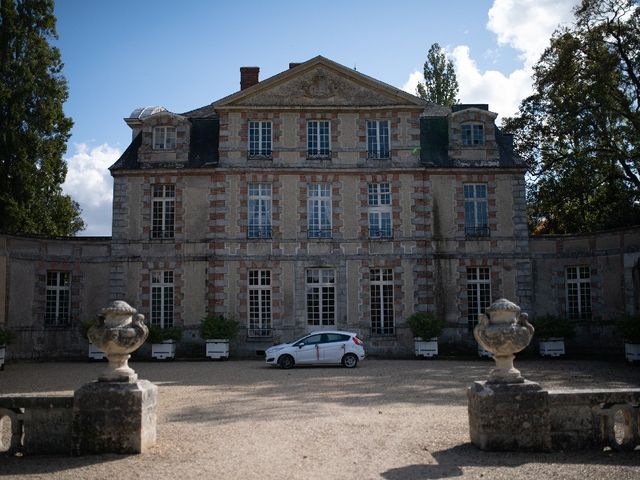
[274,349]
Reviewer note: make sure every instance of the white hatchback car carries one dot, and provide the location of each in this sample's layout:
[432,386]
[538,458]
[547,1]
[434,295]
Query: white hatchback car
[317,348]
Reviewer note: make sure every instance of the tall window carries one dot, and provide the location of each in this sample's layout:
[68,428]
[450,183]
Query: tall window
[476,222]
[260,139]
[259,210]
[478,293]
[578,292]
[164,138]
[319,210]
[472,134]
[381,290]
[163,211]
[379,210]
[321,296]
[259,303]
[318,139]
[162,298]
[58,299]
[378,138]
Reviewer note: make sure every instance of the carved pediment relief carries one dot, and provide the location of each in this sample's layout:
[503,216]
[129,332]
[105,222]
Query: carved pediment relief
[321,86]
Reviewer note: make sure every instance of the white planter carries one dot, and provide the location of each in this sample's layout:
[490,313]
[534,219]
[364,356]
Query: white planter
[482,353]
[552,347]
[632,352]
[164,350]
[217,348]
[95,353]
[427,348]
[3,350]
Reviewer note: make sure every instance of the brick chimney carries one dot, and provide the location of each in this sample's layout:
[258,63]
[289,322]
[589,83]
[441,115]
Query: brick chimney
[248,76]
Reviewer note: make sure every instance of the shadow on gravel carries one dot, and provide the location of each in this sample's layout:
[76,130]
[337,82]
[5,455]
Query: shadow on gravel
[49,464]
[450,462]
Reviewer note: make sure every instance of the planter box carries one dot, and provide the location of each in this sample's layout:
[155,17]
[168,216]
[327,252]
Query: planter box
[3,350]
[632,352]
[218,348]
[95,353]
[428,348]
[164,350]
[482,353]
[552,347]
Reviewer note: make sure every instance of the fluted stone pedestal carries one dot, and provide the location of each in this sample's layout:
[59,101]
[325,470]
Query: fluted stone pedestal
[114,417]
[509,416]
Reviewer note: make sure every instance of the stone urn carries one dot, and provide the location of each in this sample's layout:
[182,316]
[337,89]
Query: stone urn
[119,331]
[504,331]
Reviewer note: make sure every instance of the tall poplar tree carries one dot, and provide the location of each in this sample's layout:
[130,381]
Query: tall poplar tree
[440,83]
[33,127]
[580,130]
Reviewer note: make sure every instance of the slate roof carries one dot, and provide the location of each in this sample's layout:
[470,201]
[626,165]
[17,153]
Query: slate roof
[203,151]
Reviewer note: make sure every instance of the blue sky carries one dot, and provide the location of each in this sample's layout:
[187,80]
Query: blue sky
[119,55]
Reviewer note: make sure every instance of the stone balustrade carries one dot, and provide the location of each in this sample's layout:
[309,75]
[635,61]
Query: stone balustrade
[589,419]
[40,424]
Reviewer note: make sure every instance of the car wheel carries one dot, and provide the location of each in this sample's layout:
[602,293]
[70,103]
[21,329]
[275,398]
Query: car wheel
[286,361]
[350,360]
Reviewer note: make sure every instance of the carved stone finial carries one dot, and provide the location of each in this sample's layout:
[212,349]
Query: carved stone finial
[119,331]
[504,332]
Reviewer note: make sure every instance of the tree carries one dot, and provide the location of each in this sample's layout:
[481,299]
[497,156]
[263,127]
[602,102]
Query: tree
[440,83]
[580,130]
[33,127]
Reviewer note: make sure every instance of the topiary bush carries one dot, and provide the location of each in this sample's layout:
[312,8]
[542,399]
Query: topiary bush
[629,328]
[159,335]
[550,326]
[425,325]
[6,336]
[218,326]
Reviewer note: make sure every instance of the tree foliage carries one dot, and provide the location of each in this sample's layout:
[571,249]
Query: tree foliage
[33,127]
[440,83]
[580,130]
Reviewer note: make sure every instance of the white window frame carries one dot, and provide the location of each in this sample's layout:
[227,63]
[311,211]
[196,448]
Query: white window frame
[476,209]
[164,138]
[57,298]
[375,142]
[472,134]
[259,306]
[319,210]
[315,139]
[478,293]
[162,301]
[260,143]
[260,198]
[381,291]
[379,199]
[578,291]
[163,210]
[320,288]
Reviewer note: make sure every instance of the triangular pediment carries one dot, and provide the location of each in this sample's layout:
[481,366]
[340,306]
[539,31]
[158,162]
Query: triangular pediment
[320,82]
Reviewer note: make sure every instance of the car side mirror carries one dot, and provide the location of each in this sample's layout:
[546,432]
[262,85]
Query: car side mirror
[300,345]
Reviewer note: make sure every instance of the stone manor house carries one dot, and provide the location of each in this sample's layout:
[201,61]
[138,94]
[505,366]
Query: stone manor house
[319,198]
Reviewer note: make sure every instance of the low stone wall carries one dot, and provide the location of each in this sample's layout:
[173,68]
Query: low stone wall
[585,419]
[39,424]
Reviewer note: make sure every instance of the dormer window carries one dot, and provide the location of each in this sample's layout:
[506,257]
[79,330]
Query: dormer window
[472,134]
[164,138]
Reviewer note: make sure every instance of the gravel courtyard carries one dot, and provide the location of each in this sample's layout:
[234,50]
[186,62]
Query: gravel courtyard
[386,419]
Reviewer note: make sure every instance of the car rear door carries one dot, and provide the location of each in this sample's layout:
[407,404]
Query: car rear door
[333,347]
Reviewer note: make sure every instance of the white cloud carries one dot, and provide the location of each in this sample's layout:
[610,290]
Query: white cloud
[526,26]
[412,83]
[90,184]
[502,92]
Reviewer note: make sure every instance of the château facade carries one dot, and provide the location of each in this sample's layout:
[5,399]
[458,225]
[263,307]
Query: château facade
[319,198]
